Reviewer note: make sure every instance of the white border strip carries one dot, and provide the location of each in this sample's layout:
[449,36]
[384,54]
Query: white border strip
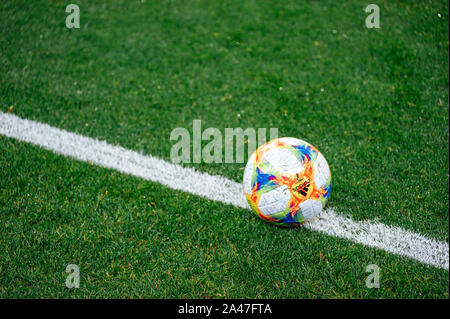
[391,239]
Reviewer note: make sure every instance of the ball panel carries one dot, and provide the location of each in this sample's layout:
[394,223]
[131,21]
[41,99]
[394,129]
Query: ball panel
[248,174]
[293,141]
[283,160]
[310,208]
[274,201]
[321,171]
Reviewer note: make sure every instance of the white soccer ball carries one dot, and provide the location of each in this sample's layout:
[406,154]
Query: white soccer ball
[287,181]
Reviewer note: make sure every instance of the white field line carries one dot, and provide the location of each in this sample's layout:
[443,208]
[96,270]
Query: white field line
[374,234]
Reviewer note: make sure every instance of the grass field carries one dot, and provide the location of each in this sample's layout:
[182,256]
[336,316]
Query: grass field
[374,101]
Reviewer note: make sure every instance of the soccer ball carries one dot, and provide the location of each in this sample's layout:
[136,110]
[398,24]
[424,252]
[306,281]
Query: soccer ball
[287,181]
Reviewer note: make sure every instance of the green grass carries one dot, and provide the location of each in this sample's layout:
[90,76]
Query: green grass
[130,241]
[135,71]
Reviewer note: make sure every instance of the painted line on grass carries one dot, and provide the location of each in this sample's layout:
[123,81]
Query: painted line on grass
[374,234]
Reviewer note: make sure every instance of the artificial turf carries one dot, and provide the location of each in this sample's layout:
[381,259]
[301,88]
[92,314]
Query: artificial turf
[374,101]
[129,240]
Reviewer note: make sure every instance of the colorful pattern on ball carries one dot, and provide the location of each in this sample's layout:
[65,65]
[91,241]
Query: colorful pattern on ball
[287,181]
